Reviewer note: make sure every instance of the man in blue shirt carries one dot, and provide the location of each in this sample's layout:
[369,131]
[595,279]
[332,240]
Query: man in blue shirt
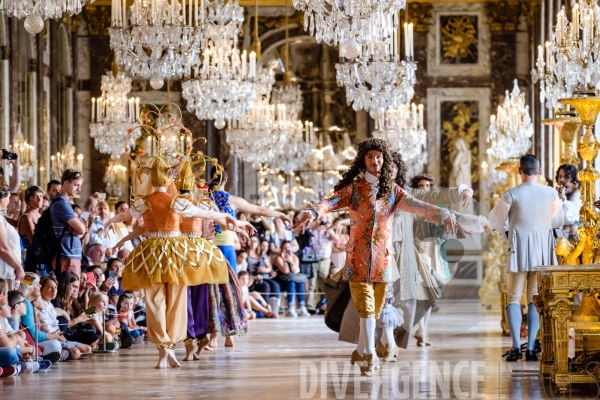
[65,223]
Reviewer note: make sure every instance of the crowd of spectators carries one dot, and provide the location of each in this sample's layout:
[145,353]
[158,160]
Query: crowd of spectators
[278,262]
[73,305]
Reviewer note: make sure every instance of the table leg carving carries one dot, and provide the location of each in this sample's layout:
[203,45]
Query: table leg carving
[560,310]
[541,302]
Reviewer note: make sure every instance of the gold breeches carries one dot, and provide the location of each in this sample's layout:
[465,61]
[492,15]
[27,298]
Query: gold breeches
[177,260]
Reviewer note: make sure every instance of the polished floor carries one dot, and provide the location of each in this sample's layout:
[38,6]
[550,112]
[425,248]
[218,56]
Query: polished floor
[301,358]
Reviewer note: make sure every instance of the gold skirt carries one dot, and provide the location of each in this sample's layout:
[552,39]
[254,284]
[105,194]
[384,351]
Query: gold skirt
[180,260]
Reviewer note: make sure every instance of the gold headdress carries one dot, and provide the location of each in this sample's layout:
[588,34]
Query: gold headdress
[185,180]
[159,176]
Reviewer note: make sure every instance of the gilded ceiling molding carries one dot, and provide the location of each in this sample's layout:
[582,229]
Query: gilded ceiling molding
[503,15]
[98,19]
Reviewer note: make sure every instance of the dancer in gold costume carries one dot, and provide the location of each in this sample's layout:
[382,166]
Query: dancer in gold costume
[165,263]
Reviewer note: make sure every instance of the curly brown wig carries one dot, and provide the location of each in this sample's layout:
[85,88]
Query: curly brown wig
[402,169]
[571,172]
[358,166]
[414,182]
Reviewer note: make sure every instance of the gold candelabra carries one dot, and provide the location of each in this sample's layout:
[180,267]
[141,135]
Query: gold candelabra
[588,108]
[568,124]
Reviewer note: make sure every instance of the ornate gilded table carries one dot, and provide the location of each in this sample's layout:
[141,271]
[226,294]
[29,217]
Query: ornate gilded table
[554,302]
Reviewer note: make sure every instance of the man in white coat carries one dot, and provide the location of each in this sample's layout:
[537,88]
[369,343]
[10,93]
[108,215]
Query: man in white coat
[529,211]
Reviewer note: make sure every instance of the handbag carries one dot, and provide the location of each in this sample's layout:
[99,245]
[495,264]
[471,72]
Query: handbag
[337,293]
[80,329]
[309,255]
[297,278]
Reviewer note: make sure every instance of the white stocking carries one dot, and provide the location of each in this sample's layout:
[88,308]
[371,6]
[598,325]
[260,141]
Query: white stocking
[423,326]
[387,336]
[370,335]
[361,347]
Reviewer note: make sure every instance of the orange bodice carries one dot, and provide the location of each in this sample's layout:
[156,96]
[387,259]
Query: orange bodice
[191,225]
[160,217]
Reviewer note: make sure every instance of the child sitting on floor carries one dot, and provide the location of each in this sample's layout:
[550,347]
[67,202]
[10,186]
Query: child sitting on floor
[17,354]
[125,315]
[255,305]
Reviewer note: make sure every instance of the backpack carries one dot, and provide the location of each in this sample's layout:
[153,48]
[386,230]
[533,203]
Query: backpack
[46,246]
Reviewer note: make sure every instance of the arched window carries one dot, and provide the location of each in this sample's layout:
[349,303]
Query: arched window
[25,84]
[64,92]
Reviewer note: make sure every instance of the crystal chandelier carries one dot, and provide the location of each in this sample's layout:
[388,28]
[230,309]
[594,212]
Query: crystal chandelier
[349,22]
[113,114]
[160,41]
[376,79]
[570,62]
[224,84]
[37,11]
[27,157]
[115,178]
[403,129]
[296,138]
[65,159]
[255,135]
[511,129]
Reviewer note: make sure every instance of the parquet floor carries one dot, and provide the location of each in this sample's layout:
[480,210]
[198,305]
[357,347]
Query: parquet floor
[301,358]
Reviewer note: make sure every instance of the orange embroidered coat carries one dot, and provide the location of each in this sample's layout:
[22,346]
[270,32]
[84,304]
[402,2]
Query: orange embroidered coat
[371,225]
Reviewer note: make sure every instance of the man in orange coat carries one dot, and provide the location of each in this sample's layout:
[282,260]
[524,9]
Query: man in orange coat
[372,200]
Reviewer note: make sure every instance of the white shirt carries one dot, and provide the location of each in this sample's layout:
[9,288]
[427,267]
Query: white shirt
[48,319]
[14,242]
[6,326]
[373,181]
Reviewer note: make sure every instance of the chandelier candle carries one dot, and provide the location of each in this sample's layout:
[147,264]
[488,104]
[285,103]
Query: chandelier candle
[567,63]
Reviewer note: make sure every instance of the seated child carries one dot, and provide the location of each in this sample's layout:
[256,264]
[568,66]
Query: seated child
[48,317]
[139,310]
[254,302]
[16,355]
[49,349]
[125,316]
[99,301]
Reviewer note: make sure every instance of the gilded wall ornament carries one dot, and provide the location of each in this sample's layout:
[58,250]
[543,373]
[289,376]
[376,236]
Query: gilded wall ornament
[420,14]
[459,39]
[503,15]
[460,120]
[98,19]
[266,24]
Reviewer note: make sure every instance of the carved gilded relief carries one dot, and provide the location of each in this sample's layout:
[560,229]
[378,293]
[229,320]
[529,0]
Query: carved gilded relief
[459,39]
[460,120]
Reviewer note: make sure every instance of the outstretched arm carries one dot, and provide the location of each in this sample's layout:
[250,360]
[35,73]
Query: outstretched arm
[340,199]
[137,232]
[242,205]
[405,202]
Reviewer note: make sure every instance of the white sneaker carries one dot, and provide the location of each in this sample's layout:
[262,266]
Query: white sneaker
[303,312]
[291,313]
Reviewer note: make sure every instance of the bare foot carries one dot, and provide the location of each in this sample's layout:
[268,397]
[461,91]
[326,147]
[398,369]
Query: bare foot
[201,346]
[172,359]
[189,352]
[213,342]
[229,341]
[162,359]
